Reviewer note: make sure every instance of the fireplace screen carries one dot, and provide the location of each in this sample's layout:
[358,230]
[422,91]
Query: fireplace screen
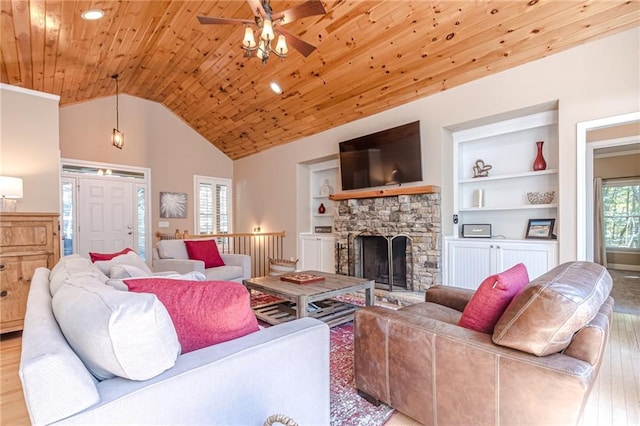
[382,257]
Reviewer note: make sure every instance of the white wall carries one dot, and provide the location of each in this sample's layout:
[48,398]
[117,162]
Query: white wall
[154,138]
[595,80]
[29,146]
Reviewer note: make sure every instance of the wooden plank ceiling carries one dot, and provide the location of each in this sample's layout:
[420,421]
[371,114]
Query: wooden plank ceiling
[371,56]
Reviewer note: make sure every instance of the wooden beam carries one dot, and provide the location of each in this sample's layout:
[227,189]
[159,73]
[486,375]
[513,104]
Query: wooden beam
[388,192]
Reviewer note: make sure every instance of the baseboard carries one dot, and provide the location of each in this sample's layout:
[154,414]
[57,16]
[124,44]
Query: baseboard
[623,267]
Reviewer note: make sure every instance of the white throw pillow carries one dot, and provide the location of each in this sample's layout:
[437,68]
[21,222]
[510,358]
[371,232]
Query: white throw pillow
[118,283]
[73,266]
[120,272]
[132,258]
[116,333]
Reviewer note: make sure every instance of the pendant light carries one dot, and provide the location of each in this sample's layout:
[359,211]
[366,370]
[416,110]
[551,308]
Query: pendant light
[117,137]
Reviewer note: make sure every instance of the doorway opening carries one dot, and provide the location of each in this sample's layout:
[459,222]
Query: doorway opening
[104,208]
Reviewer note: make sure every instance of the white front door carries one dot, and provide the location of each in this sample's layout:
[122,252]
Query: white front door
[107,216]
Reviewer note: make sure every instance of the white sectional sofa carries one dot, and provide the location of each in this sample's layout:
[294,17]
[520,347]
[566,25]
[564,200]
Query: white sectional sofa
[277,370]
[171,255]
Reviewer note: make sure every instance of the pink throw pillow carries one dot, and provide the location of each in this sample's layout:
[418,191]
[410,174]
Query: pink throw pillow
[203,312]
[205,250]
[492,298]
[99,257]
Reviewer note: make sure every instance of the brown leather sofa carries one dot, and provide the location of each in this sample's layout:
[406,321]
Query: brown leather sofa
[538,367]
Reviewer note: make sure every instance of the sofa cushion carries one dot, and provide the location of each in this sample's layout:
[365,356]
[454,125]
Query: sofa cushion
[127,271]
[116,333]
[131,258]
[205,250]
[564,300]
[492,298]
[172,249]
[108,256]
[434,311]
[223,273]
[204,312]
[73,266]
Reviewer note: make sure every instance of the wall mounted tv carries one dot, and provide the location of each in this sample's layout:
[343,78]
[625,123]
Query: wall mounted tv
[389,157]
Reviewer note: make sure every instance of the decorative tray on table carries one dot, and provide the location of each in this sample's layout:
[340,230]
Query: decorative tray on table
[302,278]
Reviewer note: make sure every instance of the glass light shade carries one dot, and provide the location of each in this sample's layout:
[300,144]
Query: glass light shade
[267,31]
[281,46]
[117,138]
[10,187]
[249,42]
[261,53]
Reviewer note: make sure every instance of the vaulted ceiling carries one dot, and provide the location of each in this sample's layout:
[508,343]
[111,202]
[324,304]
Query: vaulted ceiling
[370,56]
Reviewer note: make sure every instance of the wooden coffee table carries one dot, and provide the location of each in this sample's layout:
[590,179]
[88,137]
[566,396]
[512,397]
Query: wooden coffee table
[315,298]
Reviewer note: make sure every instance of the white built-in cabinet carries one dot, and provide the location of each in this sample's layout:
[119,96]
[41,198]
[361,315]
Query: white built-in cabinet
[508,145]
[317,247]
[469,261]
[317,252]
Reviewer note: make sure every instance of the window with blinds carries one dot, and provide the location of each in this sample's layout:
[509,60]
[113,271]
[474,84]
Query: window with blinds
[621,202]
[213,205]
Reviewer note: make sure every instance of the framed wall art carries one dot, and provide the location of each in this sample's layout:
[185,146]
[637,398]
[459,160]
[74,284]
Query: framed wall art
[173,205]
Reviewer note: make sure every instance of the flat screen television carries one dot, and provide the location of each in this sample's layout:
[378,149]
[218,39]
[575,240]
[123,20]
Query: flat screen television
[389,157]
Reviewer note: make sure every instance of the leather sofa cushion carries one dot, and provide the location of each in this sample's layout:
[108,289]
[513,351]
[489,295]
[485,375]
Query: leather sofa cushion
[434,311]
[543,318]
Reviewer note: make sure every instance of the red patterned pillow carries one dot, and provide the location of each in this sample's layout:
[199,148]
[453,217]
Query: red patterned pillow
[96,257]
[203,312]
[205,250]
[492,298]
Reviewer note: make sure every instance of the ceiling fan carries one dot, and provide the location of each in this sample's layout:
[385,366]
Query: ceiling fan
[269,24]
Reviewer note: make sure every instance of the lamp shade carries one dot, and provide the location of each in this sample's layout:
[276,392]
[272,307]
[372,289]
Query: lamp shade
[10,187]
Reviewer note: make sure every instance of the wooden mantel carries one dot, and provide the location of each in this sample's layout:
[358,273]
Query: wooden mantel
[390,192]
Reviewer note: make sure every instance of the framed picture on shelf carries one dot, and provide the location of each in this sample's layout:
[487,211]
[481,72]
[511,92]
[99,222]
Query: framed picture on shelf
[323,229]
[541,229]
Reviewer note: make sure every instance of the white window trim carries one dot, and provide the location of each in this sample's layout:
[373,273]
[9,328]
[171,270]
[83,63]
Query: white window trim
[614,183]
[196,198]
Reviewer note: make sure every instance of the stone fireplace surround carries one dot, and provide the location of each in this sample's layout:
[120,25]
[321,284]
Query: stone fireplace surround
[411,211]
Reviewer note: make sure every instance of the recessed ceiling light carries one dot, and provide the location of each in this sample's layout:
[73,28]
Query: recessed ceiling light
[275,87]
[92,14]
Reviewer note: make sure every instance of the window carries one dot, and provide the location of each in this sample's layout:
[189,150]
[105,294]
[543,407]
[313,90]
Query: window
[212,205]
[621,201]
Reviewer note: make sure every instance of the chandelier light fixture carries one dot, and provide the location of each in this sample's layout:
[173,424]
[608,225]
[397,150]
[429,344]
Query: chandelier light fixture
[263,48]
[117,137]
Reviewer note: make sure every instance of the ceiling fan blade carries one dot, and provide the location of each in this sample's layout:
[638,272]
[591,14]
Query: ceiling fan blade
[308,8]
[257,5]
[206,20]
[297,43]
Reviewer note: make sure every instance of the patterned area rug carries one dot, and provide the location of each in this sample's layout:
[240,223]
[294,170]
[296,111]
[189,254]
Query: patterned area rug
[347,407]
[626,291]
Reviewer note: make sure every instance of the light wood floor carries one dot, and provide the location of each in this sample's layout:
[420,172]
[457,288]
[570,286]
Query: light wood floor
[614,401]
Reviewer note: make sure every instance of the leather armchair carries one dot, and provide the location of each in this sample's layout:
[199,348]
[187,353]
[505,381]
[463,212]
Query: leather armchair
[538,367]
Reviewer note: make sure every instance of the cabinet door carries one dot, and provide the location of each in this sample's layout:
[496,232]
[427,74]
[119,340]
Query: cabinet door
[11,293]
[327,255]
[468,263]
[538,258]
[309,253]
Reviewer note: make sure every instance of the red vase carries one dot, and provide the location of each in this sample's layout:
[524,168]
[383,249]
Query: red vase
[539,163]
[321,209]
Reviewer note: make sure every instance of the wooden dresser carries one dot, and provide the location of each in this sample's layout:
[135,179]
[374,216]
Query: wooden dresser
[27,241]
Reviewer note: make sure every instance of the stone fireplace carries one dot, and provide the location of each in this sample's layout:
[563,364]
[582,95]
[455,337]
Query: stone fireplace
[392,236]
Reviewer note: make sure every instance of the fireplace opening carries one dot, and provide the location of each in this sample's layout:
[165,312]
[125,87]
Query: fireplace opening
[379,262]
